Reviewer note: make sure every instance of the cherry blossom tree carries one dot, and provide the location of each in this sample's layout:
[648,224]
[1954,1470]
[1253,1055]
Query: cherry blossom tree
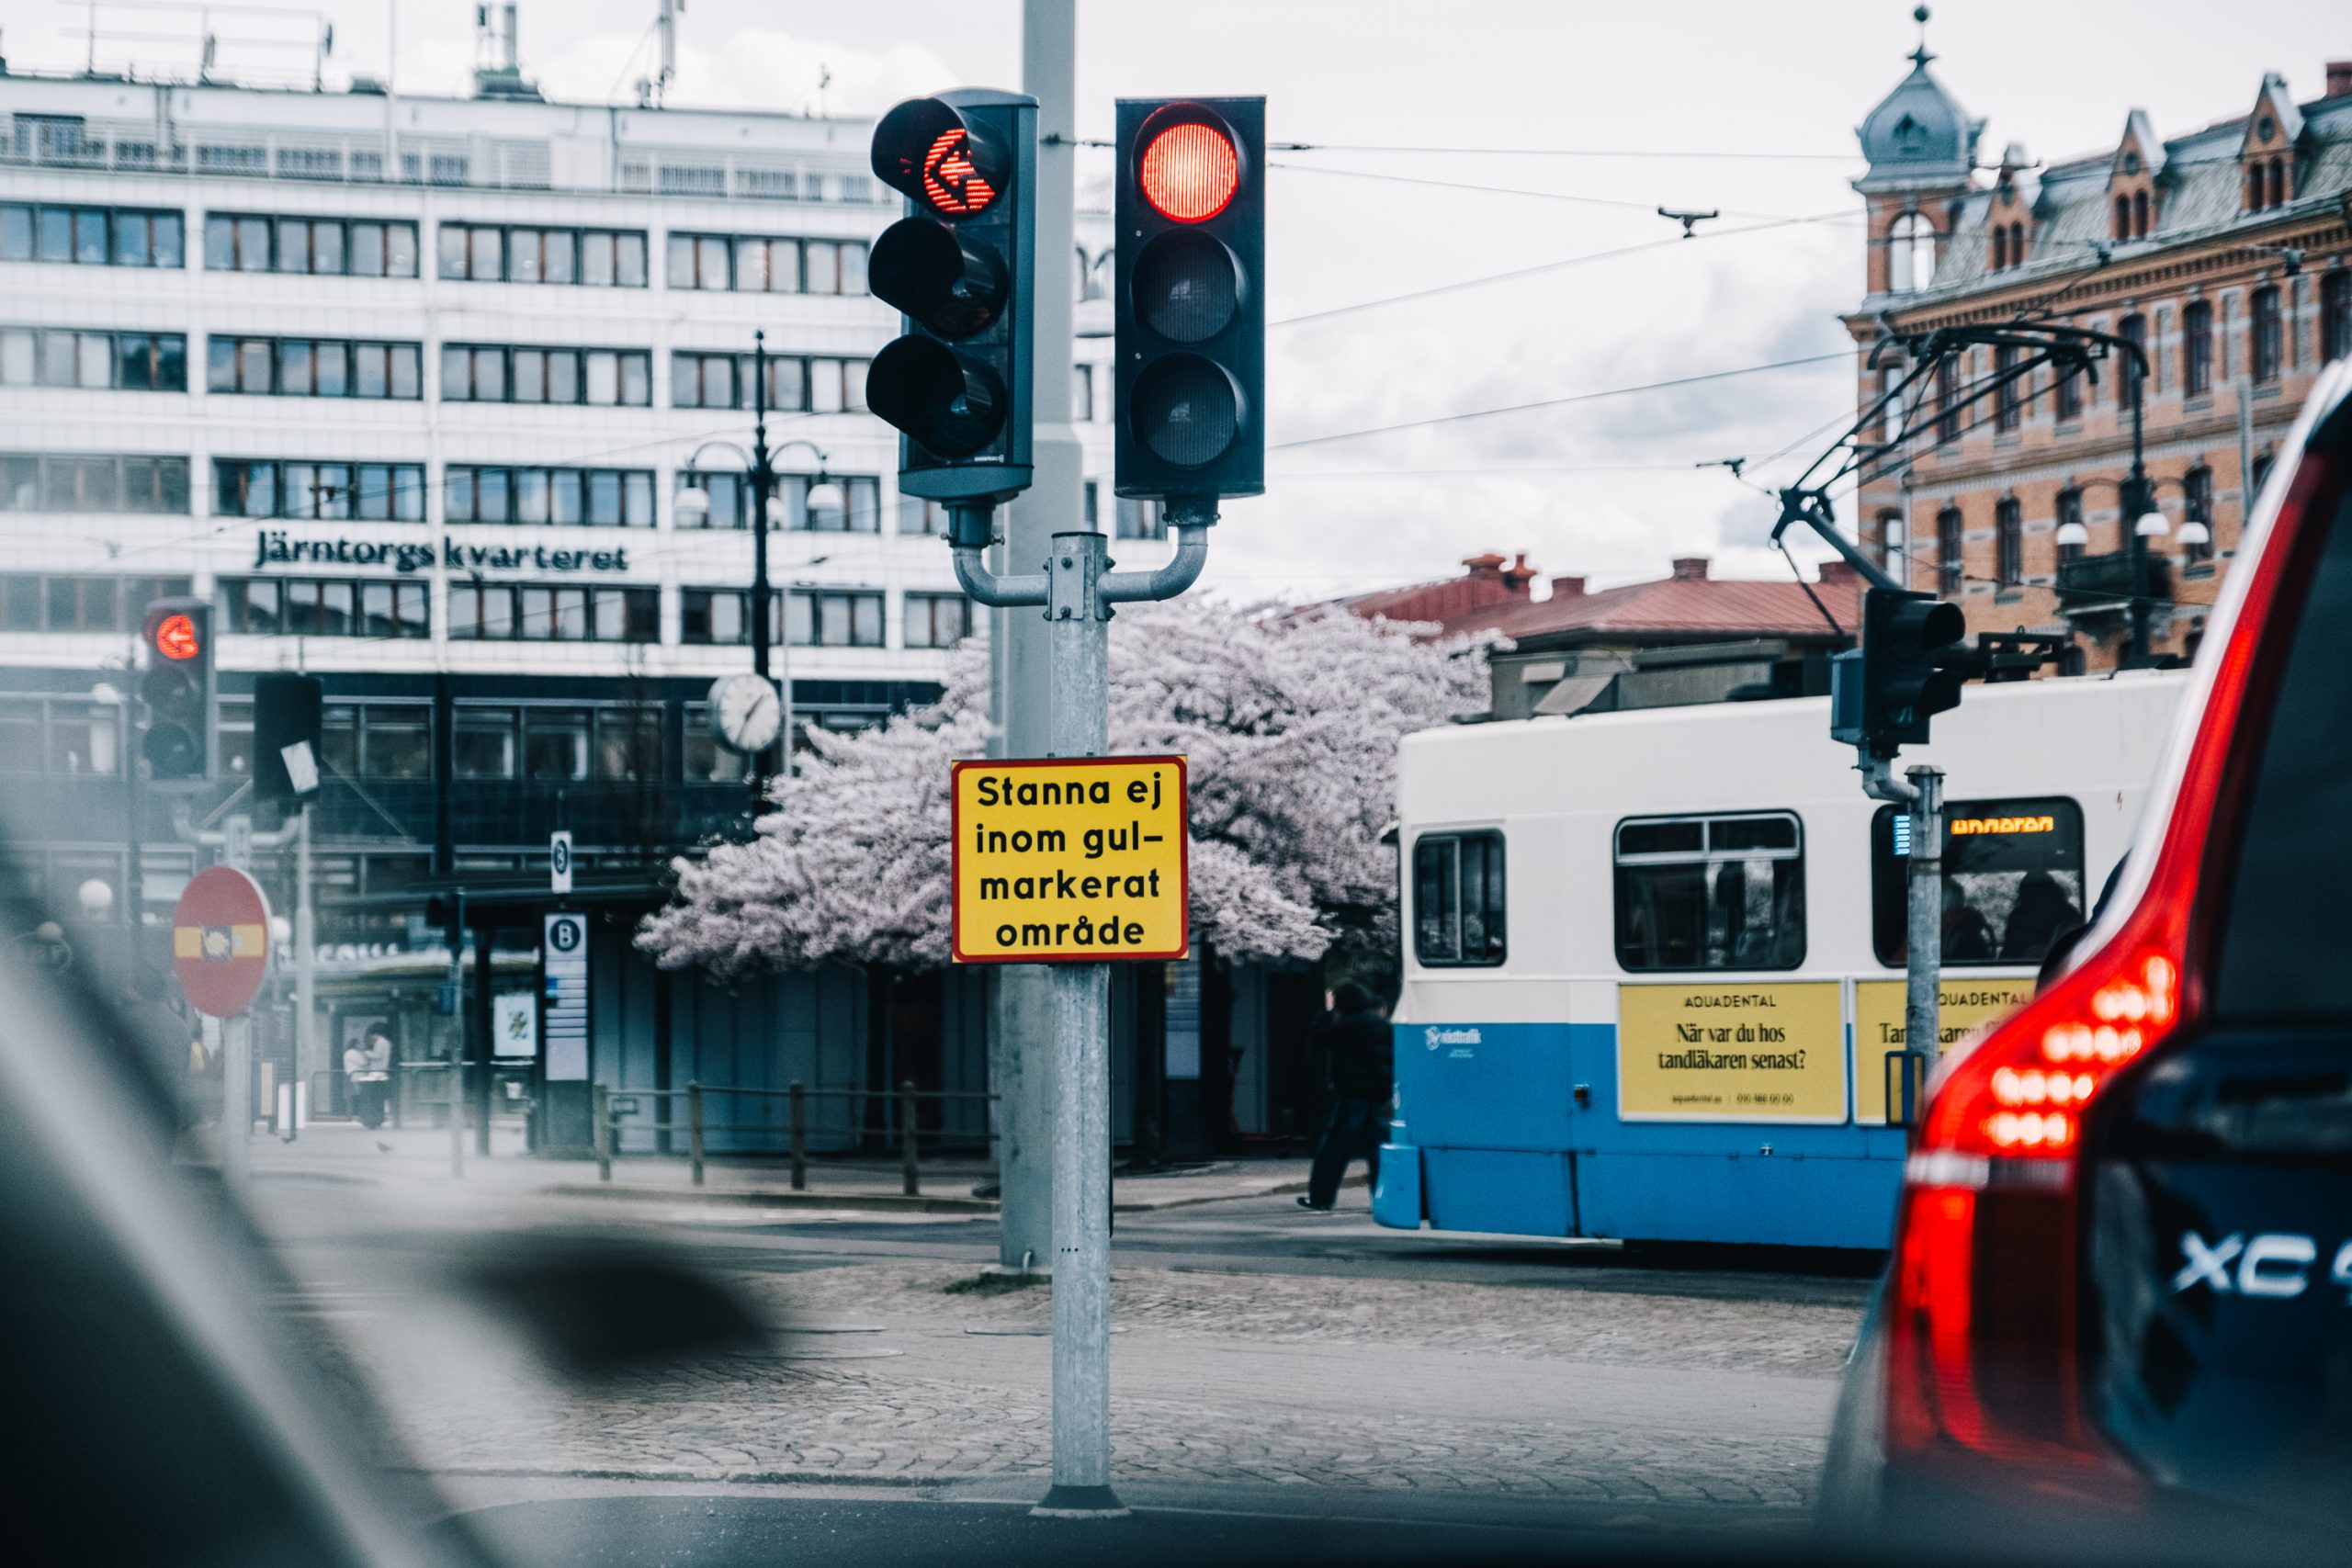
[1290,724]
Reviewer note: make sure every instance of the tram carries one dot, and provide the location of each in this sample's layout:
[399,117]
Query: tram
[1654,960]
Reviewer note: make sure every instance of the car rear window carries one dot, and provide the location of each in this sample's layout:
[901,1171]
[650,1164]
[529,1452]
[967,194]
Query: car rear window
[2286,938]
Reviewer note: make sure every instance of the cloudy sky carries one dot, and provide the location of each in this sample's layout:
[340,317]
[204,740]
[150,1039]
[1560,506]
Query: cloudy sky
[1605,112]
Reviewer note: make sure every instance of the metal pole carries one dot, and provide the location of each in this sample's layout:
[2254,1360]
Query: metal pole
[457,940]
[600,1112]
[478,1038]
[2137,501]
[236,1100]
[306,957]
[911,1174]
[1921,1024]
[763,480]
[1079,624]
[1020,1000]
[800,1137]
[694,1127]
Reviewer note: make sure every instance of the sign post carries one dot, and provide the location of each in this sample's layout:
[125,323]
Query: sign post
[220,952]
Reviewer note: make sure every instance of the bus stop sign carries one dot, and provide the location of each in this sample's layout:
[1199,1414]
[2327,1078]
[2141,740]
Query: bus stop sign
[220,942]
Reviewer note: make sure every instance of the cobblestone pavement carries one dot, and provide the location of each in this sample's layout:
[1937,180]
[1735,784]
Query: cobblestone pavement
[883,1374]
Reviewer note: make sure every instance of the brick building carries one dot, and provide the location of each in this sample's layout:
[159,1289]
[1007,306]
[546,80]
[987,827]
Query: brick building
[2226,252]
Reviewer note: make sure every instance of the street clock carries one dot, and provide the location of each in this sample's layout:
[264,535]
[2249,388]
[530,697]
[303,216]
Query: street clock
[745,713]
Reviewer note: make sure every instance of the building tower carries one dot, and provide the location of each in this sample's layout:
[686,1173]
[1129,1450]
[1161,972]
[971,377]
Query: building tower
[1921,146]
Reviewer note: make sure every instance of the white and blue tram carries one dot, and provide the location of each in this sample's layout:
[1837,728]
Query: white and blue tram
[1653,960]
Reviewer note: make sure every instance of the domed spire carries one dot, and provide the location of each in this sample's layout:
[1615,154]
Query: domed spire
[1919,136]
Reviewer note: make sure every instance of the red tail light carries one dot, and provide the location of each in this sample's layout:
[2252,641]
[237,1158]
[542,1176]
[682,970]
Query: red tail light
[1983,1334]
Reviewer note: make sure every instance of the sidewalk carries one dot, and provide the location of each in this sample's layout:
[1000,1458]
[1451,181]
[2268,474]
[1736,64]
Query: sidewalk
[346,1152]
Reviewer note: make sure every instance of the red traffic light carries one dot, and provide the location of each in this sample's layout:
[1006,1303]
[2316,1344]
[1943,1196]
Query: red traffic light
[927,151]
[176,638]
[1189,172]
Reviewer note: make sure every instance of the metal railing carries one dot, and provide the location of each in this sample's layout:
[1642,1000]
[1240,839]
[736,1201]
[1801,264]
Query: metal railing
[610,1105]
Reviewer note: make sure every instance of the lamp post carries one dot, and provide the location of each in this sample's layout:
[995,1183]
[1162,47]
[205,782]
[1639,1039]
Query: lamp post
[2136,494]
[693,508]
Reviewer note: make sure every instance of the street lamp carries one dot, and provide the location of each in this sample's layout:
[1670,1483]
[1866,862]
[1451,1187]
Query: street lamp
[692,510]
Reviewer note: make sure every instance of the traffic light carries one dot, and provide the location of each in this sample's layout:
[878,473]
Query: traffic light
[959,267]
[1191,297]
[1909,666]
[177,689]
[286,713]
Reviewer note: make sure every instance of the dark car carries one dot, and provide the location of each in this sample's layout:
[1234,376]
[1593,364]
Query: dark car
[2120,1300]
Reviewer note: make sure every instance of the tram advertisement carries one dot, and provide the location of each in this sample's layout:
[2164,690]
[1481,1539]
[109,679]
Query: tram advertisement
[1962,1006]
[1767,1051]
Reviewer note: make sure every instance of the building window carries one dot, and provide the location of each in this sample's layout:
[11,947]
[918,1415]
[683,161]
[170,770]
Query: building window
[2139,215]
[1891,546]
[937,620]
[2197,349]
[2007,399]
[494,372]
[2070,512]
[95,361]
[1892,412]
[1711,892]
[2008,540]
[2268,335]
[830,619]
[82,604]
[490,253]
[748,264]
[716,616]
[311,367]
[1140,519]
[335,247]
[2196,506]
[920,516]
[596,498]
[1947,557]
[377,607]
[92,482]
[2336,316]
[730,503]
[2133,330]
[1948,400]
[91,236]
[1910,253]
[2067,393]
[484,612]
[1460,903]
[2012,875]
[370,492]
[2000,248]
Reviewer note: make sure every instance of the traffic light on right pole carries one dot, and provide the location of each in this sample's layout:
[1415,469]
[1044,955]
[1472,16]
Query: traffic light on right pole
[1909,659]
[960,268]
[1191,297]
[177,690]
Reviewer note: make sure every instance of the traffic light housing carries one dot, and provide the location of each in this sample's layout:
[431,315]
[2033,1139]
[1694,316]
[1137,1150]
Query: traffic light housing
[1190,298]
[960,268]
[177,690]
[1911,666]
[288,713]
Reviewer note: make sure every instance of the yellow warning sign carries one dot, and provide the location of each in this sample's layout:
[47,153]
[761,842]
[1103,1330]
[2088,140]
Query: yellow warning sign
[1769,1050]
[1069,860]
[1963,1008]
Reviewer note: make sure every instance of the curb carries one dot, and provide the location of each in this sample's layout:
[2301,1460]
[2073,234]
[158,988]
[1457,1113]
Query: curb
[1282,1188]
[874,1202]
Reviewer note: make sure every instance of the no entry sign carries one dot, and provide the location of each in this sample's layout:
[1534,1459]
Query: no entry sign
[1069,860]
[220,942]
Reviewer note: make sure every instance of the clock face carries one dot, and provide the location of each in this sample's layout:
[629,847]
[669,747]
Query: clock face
[745,713]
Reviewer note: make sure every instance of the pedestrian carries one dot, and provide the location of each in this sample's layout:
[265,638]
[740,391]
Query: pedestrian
[1361,1053]
[369,1063]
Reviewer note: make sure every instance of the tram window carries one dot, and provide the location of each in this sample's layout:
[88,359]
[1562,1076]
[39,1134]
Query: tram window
[1458,899]
[2013,879]
[1711,892]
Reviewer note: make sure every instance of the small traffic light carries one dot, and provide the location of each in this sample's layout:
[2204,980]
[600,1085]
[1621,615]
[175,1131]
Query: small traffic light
[1909,662]
[287,736]
[1191,297]
[959,267]
[177,689]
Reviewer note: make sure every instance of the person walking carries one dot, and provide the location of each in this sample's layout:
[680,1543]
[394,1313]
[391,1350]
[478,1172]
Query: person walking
[1363,1054]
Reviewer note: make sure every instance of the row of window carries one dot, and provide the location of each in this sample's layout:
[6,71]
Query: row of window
[2009,533]
[82,604]
[700,381]
[53,482]
[307,606]
[370,492]
[598,498]
[496,373]
[364,247]
[1727,892]
[311,367]
[95,361]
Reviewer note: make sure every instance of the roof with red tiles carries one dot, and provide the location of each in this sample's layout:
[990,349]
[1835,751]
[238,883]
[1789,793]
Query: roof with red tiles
[1688,604]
